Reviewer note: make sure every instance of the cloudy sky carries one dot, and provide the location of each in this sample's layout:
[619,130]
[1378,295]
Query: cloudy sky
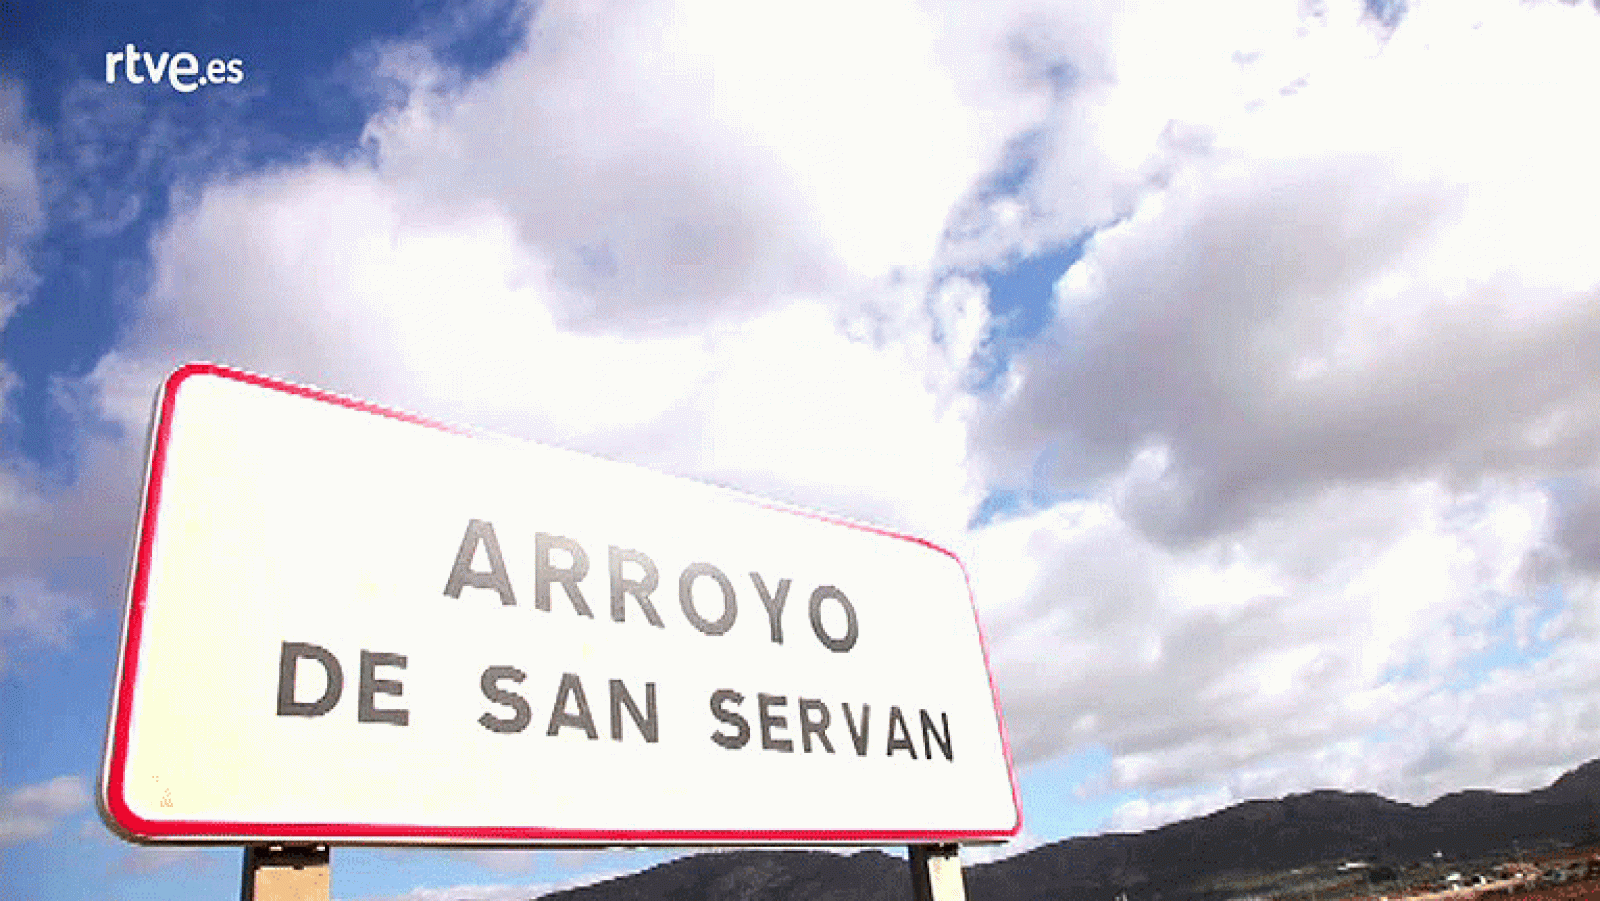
[1248,353]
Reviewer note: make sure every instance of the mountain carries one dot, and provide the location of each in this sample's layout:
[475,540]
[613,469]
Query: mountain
[759,876]
[1203,858]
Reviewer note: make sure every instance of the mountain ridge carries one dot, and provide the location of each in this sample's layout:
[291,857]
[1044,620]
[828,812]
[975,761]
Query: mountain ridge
[1196,858]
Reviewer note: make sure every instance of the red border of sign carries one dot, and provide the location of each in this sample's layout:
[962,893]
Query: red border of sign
[121,818]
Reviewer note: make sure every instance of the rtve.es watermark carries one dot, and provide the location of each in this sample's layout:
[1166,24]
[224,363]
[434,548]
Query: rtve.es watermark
[180,70]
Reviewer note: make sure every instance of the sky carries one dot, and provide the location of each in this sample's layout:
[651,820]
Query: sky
[1248,354]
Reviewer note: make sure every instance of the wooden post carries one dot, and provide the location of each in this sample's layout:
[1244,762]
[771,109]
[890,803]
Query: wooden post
[936,873]
[285,873]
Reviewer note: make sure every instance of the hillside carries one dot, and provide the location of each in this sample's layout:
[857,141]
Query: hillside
[1198,858]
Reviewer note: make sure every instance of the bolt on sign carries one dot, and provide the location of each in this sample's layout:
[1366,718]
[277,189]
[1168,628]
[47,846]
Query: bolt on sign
[347,623]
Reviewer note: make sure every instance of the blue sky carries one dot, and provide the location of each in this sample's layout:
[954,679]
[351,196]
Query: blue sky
[1247,356]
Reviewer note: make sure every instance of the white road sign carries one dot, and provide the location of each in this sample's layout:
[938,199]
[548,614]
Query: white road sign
[348,624]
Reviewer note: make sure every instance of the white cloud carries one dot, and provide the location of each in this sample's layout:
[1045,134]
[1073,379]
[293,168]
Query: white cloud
[142,860]
[1260,657]
[1333,291]
[33,614]
[678,162]
[504,860]
[64,546]
[1137,91]
[1139,814]
[1023,842]
[114,155]
[145,860]
[33,811]
[21,213]
[347,281]
[64,532]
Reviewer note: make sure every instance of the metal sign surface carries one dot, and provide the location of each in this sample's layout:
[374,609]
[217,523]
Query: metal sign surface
[349,624]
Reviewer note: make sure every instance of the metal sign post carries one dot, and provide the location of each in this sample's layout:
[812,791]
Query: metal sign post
[936,873]
[285,873]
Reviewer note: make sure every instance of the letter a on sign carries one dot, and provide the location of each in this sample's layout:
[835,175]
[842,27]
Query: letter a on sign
[350,624]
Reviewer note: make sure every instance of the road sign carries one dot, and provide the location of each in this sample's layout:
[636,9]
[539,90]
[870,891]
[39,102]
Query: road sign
[349,624]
